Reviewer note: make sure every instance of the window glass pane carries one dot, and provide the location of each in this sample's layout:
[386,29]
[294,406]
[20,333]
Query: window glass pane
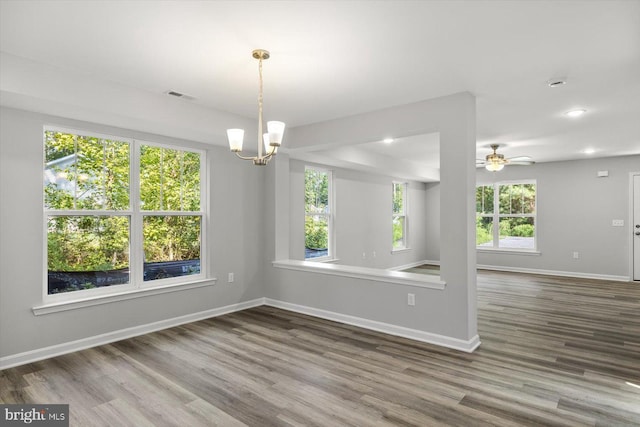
[484,199]
[398,232]
[85,252]
[399,190]
[59,170]
[529,198]
[171,246]
[517,233]
[150,178]
[484,231]
[169,179]
[316,236]
[191,181]
[505,199]
[316,191]
[516,199]
[83,172]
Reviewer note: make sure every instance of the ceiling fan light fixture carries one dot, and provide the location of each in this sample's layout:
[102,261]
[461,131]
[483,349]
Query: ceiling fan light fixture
[575,113]
[494,166]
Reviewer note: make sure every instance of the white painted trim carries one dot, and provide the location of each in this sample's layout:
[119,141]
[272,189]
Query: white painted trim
[631,229]
[109,337]
[414,334]
[406,266]
[554,273]
[364,273]
[120,296]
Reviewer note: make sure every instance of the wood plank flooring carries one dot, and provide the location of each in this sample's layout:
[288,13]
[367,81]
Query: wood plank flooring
[555,352]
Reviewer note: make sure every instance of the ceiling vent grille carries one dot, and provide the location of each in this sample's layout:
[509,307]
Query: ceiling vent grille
[177,94]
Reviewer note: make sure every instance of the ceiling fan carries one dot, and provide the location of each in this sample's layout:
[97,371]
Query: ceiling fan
[495,162]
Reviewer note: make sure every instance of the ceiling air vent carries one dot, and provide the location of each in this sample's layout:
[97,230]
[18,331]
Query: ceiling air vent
[178,94]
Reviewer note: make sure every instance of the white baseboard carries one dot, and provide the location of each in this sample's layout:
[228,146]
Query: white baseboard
[414,334]
[555,273]
[547,272]
[109,337]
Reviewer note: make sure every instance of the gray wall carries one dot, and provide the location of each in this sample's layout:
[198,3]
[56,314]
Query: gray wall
[362,218]
[575,210]
[450,312]
[235,197]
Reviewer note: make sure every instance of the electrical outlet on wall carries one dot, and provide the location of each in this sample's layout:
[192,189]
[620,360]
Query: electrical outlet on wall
[411,299]
[231,278]
[576,255]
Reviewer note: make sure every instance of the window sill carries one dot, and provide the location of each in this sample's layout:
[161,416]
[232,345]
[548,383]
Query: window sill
[399,250]
[121,296]
[509,251]
[365,273]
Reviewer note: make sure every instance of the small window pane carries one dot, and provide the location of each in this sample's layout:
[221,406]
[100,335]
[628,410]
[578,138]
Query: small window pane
[316,192]
[191,181]
[83,172]
[484,231]
[399,190]
[316,236]
[529,198]
[517,233]
[505,199]
[398,232]
[171,246]
[169,179]
[484,200]
[85,252]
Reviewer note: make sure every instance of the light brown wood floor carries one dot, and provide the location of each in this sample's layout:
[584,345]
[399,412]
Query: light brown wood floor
[554,352]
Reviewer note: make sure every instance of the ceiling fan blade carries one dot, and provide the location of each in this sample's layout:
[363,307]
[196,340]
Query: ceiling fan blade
[480,162]
[521,163]
[520,159]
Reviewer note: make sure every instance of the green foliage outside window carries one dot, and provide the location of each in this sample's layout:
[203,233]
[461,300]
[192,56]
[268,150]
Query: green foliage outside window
[84,173]
[317,208]
[516,205]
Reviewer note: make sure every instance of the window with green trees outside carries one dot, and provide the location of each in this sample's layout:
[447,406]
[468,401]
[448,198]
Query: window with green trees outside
[317,207]
[399,215]
[110,224]
[506,216]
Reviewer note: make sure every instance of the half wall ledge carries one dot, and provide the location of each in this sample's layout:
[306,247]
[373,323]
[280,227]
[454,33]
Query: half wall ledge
[364,273]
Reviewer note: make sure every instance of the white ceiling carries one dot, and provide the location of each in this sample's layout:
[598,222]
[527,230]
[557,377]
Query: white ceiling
[333,59]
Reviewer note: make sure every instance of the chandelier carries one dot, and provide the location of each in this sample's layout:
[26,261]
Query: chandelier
[272,139]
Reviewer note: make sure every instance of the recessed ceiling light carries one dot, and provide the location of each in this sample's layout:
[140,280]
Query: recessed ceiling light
[575,113]
[588,151]
[387,140]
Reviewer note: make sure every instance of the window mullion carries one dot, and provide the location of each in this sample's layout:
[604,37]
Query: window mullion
[136,252]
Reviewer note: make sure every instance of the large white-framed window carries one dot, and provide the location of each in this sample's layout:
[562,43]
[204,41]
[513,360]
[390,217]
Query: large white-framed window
[120,214]
[318,210]
[506,216]
[399,219]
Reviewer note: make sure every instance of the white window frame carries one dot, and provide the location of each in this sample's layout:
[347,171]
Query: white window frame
[136,252]
[403,214]
[329,215]
[496,216]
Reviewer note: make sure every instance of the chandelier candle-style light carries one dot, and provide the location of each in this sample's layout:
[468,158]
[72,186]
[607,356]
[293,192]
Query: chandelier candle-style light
[271,140]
